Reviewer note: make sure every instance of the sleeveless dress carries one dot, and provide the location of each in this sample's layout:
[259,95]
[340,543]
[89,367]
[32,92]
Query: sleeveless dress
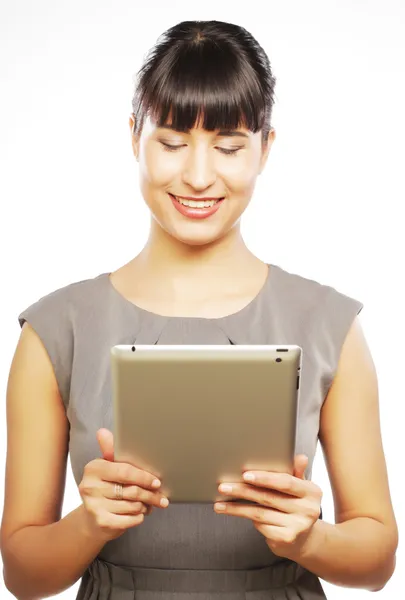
[187,551]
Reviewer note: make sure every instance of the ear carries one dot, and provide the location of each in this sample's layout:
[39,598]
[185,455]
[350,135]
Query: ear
[134,138]
[266,149]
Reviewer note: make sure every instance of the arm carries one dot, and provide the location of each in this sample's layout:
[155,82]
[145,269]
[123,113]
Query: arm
[42,553]
[359,549]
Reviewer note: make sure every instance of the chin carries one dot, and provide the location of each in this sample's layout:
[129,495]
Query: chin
[195,234]
[202,238]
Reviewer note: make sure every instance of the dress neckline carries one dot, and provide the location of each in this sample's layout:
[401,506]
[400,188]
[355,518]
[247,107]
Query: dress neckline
[271,269]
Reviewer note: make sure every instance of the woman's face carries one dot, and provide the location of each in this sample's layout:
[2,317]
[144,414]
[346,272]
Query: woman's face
[203,164]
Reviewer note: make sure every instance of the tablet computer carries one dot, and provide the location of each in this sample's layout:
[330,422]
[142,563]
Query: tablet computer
[198,415]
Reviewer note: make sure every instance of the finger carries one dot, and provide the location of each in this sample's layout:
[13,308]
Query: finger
[300,464]
[105,440]
[254,513]
[274,535]
[282,482]
[271,498]
[133,493]
[128,475]
[125,507]
[123,522]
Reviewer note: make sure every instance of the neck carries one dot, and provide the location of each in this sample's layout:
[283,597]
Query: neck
[166,257]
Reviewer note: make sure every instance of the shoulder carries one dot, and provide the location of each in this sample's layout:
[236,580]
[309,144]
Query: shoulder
[308,287]
[56,318]
[313,296]
[324,316]
[63,302]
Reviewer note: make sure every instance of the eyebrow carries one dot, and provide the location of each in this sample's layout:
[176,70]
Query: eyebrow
[222,133]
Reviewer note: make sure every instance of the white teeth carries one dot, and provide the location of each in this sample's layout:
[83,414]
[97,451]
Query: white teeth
[195,203]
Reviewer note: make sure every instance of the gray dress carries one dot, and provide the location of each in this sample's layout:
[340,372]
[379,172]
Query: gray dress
[187,551]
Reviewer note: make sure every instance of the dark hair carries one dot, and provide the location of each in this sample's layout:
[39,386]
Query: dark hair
[208,67]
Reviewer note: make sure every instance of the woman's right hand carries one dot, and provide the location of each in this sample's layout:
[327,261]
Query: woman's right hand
[105,515]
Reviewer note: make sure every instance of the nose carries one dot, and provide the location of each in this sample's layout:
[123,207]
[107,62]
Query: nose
[198,171]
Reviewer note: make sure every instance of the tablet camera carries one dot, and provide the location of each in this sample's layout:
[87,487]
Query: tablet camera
[133,348]
[279,359]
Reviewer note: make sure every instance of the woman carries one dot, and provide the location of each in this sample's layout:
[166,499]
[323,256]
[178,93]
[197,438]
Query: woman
[200,128]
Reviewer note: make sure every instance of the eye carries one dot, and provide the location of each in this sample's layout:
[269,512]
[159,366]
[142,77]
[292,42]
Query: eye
[227,151]
[169,148]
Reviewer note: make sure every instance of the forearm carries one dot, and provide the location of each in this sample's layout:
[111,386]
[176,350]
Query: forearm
[43,560]
[357,553]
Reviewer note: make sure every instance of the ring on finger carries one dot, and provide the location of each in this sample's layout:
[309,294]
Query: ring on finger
[119,491]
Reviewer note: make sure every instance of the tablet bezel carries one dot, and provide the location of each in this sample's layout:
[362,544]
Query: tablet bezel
[146,386]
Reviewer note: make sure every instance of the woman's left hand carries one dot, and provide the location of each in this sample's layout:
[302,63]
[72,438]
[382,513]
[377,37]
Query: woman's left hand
[287,507]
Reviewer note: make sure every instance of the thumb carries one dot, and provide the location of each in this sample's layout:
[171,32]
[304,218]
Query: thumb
[300,464]
[105,439]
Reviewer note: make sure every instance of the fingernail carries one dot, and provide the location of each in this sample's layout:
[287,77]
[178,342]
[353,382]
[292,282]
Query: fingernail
[155,483]
[164,502]
[248,477]
[225,487]
[220,506]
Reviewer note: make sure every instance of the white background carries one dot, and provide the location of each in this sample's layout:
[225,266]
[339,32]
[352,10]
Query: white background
[329,205]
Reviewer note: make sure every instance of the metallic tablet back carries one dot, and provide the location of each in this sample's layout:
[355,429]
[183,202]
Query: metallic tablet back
[198,415]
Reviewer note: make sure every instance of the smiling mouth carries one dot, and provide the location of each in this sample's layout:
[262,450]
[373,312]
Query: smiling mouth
[196,203]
